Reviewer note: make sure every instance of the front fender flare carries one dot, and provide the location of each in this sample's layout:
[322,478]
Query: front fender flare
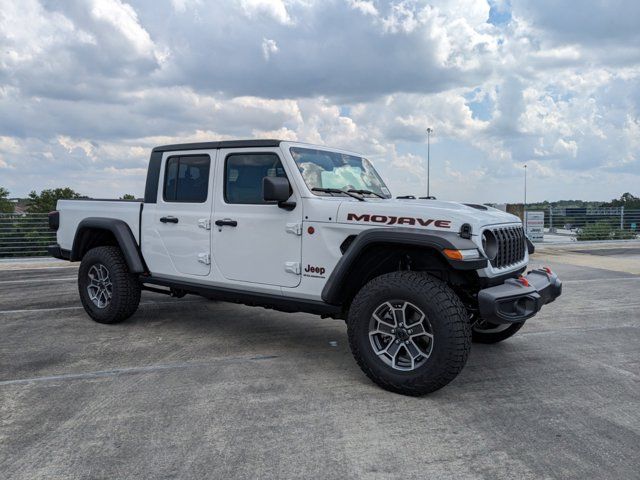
[397,236]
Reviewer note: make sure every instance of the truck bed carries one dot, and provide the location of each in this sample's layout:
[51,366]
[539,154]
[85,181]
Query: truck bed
[72,212]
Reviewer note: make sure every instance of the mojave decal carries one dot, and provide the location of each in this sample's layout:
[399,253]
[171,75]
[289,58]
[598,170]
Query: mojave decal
[392,220]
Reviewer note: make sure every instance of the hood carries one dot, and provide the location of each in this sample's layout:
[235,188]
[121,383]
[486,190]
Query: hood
[424,214]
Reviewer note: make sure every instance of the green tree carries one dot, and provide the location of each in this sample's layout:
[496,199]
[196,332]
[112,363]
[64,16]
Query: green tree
[595,231]
[628,201]
[5,205]
[128,196]
[46,200]
[603,230]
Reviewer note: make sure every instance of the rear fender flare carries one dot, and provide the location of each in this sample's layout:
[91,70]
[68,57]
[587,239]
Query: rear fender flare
[121,232]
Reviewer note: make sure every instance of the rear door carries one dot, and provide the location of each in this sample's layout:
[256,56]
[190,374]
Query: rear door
[255,241]
[183,214]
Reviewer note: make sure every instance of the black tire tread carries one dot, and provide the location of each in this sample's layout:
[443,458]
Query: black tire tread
[451,311]
[126,286]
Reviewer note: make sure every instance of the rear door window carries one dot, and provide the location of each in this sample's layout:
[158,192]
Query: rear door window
[187,179]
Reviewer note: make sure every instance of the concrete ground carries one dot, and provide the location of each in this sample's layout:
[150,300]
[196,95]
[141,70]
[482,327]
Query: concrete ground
[196,389]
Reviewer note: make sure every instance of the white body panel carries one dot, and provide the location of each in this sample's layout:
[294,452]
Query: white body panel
[260,254]
[72,212]
[259,248]
[176,249]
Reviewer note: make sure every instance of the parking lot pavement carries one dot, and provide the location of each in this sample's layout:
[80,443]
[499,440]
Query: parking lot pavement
[196,389]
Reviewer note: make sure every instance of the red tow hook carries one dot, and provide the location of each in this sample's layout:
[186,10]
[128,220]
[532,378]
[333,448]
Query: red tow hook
[548,270]
[523,281]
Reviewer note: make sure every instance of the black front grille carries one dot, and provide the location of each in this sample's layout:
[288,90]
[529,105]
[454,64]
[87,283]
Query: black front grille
[511,245]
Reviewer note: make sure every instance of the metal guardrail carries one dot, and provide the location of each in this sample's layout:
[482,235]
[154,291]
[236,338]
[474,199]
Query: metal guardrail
[25,235]
[589,224]
[28,234]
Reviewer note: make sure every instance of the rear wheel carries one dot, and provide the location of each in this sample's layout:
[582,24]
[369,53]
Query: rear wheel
[409,332]
[108,291]
[486,332]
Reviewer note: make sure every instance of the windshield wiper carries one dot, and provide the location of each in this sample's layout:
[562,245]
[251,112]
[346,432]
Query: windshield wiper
[338,190]
[365,192]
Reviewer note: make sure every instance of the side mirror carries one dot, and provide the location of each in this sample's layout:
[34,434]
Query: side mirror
[277,189]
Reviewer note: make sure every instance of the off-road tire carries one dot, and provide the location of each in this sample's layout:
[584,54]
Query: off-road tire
[495,337]
[126,287]
[448,319]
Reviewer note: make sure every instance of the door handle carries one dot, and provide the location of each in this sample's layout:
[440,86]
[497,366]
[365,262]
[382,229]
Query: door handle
[169,220]
[227,221]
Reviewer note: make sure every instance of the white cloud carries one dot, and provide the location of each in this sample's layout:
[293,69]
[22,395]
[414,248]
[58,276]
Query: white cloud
[184,5]
[88,87]
[403,18]
[123,18]
[84,145]
[365,7]
[276,9]
[269,47]
[564,147]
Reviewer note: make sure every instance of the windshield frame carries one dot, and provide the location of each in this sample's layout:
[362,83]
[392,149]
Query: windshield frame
[382,188]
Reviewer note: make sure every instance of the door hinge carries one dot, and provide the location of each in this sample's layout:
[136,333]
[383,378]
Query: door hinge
[204,258]
[295,228]
[292,267]
[204,223]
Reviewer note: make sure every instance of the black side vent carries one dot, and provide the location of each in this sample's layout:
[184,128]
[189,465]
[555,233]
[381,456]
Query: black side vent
[465,231]
[347,243]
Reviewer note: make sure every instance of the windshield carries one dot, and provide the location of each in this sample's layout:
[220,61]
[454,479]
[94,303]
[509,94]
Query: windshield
[323,169]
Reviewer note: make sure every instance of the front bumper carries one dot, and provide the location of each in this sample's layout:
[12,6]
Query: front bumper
[516,300]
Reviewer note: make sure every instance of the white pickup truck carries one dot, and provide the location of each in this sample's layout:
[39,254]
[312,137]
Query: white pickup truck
[304,228]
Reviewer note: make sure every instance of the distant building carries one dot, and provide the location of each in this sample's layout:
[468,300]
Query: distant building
[19,205]
[516,209]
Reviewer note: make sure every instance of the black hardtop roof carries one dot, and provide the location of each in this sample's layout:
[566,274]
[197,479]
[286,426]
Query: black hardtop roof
[221,144]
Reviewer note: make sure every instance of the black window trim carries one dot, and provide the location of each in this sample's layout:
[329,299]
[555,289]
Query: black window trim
[166,170]
[224,175]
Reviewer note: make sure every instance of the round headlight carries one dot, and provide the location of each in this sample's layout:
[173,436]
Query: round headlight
[489,244]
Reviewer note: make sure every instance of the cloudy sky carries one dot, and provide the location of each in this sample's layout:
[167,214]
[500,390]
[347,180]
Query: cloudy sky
[87,87]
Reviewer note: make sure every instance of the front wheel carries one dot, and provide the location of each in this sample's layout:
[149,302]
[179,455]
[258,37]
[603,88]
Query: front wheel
[409,332]
[108,291]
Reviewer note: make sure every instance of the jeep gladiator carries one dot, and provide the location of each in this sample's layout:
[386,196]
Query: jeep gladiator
[304,228]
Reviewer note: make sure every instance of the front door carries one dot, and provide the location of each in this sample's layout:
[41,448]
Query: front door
[183,215]
[254,241]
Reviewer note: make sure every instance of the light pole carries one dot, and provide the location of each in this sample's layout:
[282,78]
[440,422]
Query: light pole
[525,198]
[429,132]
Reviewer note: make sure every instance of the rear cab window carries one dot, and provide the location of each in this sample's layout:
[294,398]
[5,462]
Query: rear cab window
[186,179]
